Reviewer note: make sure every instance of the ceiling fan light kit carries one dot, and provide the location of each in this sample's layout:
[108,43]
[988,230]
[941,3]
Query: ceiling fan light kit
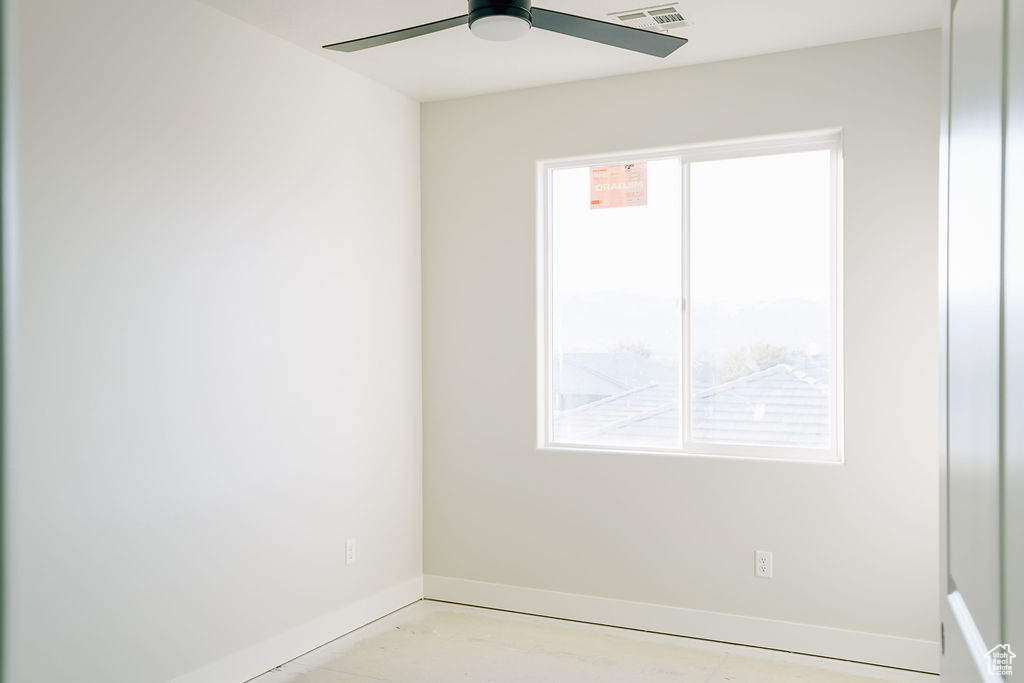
[500,20]
[503,20]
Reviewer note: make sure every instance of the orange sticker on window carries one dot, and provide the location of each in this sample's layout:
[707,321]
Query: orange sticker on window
[618,185]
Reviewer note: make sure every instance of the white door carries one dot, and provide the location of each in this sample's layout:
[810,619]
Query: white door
[1013,392]
[985,341]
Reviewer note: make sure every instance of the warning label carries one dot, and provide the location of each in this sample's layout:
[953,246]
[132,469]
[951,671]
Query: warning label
[618,185]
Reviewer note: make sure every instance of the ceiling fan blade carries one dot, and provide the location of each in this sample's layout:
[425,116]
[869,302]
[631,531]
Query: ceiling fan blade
[395,36]
[616,35]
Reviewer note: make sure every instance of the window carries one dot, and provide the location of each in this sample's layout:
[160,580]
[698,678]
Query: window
[691,300]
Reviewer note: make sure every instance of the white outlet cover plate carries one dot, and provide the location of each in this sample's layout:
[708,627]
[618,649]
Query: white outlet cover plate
[763,564]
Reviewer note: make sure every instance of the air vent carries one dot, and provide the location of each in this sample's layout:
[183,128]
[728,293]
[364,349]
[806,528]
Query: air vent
[656,18]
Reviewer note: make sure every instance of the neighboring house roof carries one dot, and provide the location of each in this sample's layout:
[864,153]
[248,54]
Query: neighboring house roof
[577,379]
[651,412]
[776,406]
[619,369]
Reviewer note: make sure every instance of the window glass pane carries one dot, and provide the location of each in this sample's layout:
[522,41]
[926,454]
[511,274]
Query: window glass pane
[615,313]
[760,284]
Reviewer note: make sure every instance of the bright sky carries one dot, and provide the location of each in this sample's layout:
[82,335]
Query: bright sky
[632,250]
[759,230]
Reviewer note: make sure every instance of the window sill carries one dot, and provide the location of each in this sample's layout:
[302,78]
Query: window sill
[734,453]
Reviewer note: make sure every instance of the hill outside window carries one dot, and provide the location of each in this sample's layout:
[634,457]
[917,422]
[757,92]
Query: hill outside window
[690,300]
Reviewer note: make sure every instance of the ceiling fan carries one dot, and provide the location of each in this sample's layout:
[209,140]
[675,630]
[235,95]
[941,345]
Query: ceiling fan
[511,19]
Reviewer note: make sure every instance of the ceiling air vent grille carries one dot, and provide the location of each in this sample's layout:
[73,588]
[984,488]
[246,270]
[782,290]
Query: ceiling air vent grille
[656,18]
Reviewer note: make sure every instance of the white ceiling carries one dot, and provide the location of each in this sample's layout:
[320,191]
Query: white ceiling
[454,63]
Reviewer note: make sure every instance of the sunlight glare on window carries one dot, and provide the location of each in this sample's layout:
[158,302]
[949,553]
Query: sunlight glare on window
[696,309]
[616,313]
[760,290]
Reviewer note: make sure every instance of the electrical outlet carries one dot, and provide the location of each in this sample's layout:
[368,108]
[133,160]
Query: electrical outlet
[763,564]
[350,551]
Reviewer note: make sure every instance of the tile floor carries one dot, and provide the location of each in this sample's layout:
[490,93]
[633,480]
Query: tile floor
[434,642]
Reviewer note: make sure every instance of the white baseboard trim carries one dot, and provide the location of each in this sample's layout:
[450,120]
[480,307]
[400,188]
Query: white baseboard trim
[823,641]
[264,656]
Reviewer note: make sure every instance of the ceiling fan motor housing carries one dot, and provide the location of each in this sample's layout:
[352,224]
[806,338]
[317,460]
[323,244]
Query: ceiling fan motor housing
[478,9]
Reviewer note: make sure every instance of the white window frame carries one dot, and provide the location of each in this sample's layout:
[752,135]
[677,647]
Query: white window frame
[829,139]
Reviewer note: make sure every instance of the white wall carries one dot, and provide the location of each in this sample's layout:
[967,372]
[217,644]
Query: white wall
[855,545]
[213,330]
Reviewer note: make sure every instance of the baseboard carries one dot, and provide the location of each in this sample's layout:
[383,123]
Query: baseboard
[823,641]
[261,657]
